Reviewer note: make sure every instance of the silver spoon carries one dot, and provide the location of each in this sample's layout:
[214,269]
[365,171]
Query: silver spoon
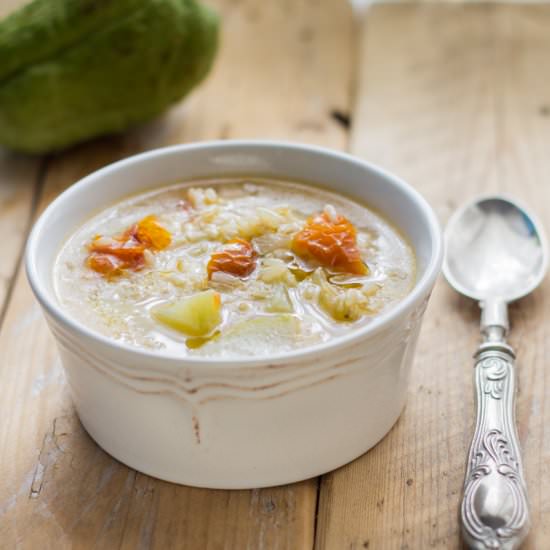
[495,253]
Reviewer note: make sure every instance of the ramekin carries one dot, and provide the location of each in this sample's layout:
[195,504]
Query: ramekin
[252,421]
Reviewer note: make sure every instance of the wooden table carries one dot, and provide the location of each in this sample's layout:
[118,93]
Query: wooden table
[455,99]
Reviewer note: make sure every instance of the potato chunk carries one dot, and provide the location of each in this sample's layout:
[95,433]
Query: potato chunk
[197,315]
[270,333]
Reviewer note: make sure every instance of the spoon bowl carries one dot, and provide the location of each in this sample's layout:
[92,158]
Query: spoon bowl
[495,249]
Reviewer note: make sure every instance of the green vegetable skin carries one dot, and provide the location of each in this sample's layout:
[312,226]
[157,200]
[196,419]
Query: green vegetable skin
[71,70]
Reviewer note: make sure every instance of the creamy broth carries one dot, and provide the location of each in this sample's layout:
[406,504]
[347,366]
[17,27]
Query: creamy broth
[283,290]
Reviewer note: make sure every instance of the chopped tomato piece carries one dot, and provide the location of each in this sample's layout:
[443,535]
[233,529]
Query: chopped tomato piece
[106,264]
[331,241]
[111,256]
[151,234]
[238,258]
[129,250]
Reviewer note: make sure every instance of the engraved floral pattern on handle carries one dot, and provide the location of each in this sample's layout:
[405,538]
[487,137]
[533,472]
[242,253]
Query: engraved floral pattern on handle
[494,372]
[494,508]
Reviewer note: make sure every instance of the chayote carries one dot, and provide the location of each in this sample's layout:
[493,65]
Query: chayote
[71,70]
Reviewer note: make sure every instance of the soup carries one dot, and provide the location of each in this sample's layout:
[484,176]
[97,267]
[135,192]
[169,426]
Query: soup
[232,267]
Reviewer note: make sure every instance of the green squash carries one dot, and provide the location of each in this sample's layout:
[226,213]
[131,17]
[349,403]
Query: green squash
[71,70]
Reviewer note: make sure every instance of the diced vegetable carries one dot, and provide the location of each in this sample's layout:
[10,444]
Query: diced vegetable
[111,256]
[106,264]
[152,235]
[238,258]
[279,302]
[197,315]
[128,250]
[264,325]
[331,240]
[268,333]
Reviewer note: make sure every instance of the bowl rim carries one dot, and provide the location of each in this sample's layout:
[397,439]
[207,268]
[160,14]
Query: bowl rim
[422,286]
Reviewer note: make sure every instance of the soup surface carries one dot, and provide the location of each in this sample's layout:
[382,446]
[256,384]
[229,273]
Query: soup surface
[231,267]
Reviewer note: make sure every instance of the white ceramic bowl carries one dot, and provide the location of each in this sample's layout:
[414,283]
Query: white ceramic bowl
[251,422]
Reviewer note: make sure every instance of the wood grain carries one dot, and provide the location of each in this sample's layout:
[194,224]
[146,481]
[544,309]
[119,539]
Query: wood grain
[455,99]
[283,69]
[20,179]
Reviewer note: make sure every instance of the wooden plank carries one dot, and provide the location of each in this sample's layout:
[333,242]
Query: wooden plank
[284,67]
[19,182]
[455,99]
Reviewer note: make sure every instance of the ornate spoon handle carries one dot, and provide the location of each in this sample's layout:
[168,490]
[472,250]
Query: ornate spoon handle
[494,509]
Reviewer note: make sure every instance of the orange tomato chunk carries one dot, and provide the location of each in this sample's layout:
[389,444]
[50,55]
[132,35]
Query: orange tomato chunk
[151,234]
[129,250]
[111,256]
[106,264]
[237,258]
[330,241]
